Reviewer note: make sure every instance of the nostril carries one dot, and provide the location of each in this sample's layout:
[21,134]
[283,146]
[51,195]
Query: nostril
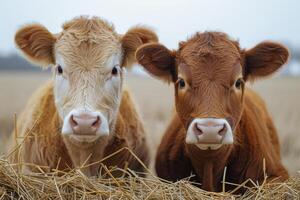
[197,129]
[223,130]
[73,121]
[97,122]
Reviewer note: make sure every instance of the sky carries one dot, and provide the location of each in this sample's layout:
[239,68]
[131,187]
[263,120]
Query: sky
[250,21]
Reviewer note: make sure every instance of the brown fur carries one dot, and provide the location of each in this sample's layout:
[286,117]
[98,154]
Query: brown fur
[86,46]
[210,63]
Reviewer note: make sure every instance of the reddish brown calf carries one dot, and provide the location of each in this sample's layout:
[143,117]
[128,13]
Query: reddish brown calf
[219,122]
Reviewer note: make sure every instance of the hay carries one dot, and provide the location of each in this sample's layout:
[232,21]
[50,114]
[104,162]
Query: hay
[74,185]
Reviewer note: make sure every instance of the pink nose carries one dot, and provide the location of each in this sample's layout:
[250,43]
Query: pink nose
[85,124]
[210,132]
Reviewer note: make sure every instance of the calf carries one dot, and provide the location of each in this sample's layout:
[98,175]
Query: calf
[219,122]
[83,114]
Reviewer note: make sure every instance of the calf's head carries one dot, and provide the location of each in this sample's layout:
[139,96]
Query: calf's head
[88,58]
[209,72]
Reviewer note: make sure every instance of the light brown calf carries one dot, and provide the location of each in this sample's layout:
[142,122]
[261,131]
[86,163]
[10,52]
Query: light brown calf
[219,121]
[83,114]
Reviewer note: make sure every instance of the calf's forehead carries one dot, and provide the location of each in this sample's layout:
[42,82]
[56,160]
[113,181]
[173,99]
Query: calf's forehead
[209,57]
[88,43]
[89,55]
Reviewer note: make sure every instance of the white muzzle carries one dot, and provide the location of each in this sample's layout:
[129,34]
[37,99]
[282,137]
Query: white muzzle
[209,133]
[85,125]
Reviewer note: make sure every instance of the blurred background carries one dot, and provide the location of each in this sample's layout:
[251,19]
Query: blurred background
[250,22]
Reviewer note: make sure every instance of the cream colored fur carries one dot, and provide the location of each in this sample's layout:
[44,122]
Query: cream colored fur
[86,50]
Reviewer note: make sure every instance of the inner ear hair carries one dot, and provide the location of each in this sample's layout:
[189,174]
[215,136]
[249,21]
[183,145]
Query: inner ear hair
[158,61]
[264,59]
[37,43]
[133,39]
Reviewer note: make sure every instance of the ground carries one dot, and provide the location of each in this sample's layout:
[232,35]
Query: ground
[155,102]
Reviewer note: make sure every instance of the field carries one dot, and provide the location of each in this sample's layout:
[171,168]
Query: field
[155,102]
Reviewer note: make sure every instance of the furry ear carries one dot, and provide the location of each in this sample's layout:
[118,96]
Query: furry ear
[134,38]
[157,60]
[264,59]
[37,43]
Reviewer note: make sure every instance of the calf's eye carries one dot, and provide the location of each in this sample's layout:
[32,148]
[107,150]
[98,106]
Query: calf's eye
[238,83]
[114,71]
[181,83]
[59,69]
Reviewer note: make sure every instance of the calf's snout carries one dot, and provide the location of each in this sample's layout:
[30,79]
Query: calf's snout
[85,123]
[80,123]
[209,131]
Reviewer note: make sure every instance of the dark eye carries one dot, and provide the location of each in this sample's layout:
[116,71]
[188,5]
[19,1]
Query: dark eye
[238,84]
[114,71]
[181,83]
[59,69]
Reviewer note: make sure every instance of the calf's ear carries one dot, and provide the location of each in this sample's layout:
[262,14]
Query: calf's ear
[264,59]
[37,43]
[157,60]
[134,38]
